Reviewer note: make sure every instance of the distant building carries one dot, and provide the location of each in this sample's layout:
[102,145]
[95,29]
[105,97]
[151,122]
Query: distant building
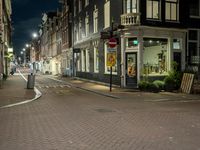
[66,28]
[5,34]
[49,36]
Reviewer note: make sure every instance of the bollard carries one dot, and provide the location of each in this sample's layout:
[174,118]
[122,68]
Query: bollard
[1,80]
[31,81]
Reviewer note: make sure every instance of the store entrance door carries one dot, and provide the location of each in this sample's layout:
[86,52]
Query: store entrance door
[177,59]
[131,69]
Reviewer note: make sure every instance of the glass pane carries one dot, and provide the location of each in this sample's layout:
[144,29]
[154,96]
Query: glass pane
[192,49]
[128,6]
[132,42]
[131,65]
[149,9]
[167,11]
[176,44]
[155,56]
[155,9]
[134,6]
[173,11]
[194,8]
[193,35]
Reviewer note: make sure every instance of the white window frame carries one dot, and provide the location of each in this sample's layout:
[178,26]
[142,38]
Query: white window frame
[87,26]
[171,3]
[194,41]
[80,5]
[87,60]
[131,8]
[152,9]
[198,16]
[107,14]
[75,8]
[83,60]
[86,3]
[95,19]
[96,60]
[80,29]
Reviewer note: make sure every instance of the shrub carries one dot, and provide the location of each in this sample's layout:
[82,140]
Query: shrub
[159,84]
[173,81]
[144,85]
[154,87]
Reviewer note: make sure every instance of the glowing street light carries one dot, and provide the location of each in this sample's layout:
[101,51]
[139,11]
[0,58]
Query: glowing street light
[34,35]
[27,45]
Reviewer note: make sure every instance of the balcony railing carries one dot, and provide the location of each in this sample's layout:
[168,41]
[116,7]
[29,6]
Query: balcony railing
[130,19]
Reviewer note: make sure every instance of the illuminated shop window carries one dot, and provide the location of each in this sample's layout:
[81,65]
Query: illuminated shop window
[155,56]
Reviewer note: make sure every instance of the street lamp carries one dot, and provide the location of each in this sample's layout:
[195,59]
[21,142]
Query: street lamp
[27,45]
[34,35]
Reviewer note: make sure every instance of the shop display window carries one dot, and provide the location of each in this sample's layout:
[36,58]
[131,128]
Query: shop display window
[155,56]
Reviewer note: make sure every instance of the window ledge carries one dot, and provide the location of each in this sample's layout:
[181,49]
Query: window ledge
[172,21]
[151,19]
[196,17]
[108,73]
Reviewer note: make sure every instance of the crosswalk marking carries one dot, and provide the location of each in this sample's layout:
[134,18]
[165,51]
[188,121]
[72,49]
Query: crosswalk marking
[53,86]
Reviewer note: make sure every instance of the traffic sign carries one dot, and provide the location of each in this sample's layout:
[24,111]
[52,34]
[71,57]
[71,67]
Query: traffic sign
[111,59]
[112,42]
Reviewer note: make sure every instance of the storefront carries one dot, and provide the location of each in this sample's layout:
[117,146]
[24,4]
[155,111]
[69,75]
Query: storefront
[150,52]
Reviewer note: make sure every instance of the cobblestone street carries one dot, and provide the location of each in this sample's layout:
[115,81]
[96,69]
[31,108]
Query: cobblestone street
[67,118]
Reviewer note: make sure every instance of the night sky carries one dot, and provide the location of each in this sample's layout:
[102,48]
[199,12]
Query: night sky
[26,16]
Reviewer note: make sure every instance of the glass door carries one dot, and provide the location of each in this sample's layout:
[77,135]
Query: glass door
[131,69]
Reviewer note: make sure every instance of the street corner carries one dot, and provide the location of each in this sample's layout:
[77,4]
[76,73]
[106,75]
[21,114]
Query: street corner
[14,91]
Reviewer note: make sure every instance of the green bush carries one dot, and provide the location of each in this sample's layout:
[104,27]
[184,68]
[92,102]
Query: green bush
[154,87]
[144,85]
[173,81]
[159,84]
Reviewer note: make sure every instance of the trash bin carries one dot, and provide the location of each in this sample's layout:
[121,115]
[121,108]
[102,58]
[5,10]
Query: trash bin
[1,80]
[31,81]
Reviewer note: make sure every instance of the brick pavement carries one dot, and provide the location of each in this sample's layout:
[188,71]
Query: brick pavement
[79,120]
[128,93]
[14,90]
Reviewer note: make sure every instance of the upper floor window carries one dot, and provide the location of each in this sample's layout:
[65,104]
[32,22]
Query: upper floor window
[87,25]
[195,8]
[153,9]
[80,5]
[171,10]
[86,2]
[130,6]
[74,8]
[80,29]
[95,19]
[107,14]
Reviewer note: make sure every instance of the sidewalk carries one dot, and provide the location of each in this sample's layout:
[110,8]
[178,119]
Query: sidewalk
[123,93]
[14,91]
